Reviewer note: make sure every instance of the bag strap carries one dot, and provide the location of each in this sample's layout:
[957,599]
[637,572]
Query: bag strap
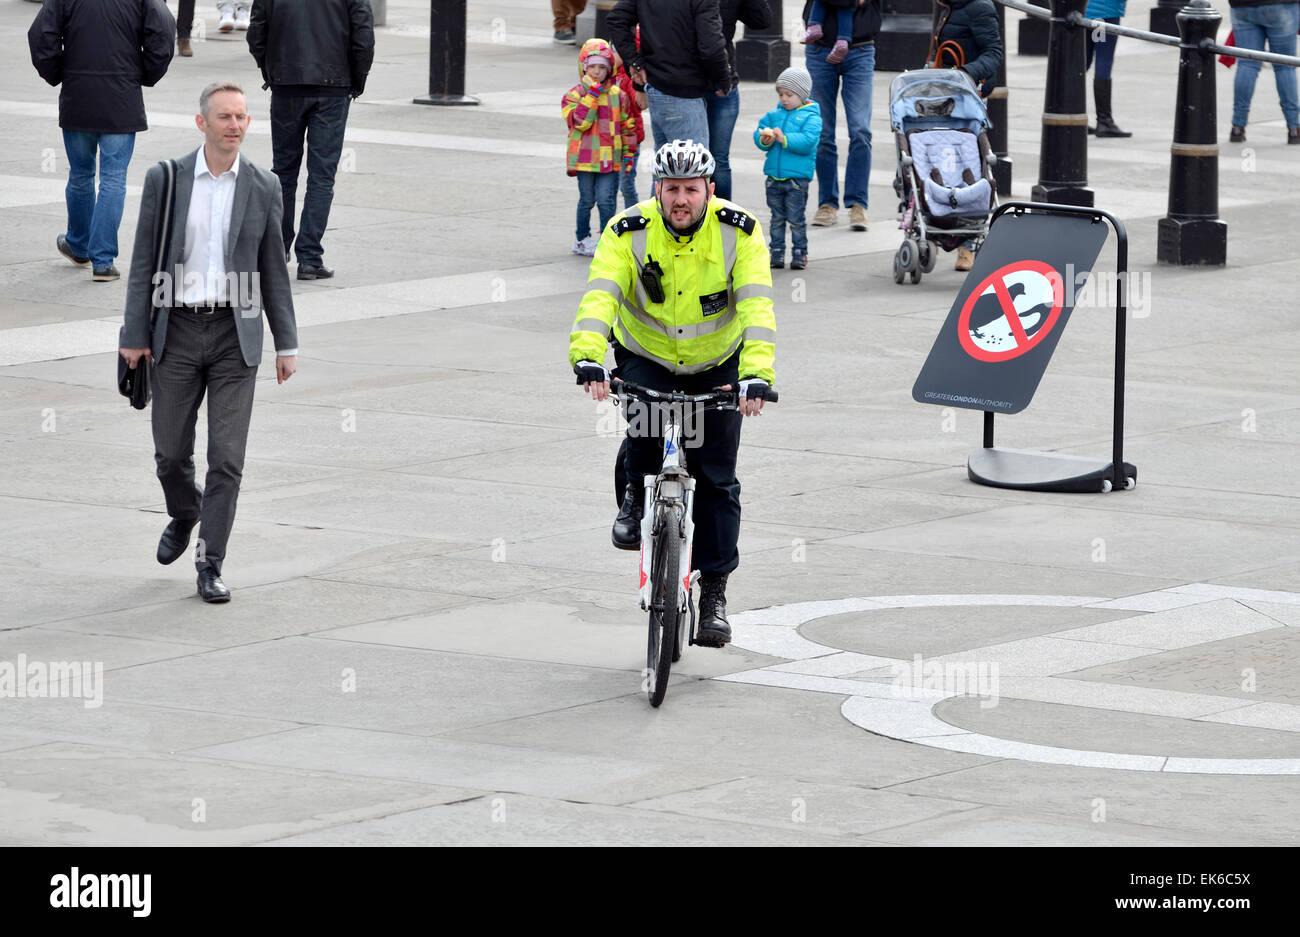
[163,233]
[164,229]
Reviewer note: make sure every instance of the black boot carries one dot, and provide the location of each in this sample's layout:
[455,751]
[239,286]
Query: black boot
[1105,123]
[714,631]
[627,526]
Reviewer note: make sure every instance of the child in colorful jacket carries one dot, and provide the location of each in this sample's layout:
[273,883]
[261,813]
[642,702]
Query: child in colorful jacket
[602,139]
[789,135]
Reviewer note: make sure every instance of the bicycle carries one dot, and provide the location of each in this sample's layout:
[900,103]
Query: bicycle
[668,528]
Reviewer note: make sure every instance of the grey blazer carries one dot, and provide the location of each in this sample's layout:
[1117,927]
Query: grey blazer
[255,245]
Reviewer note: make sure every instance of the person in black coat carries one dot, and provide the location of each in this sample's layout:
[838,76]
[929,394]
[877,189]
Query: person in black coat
[966,37]
[315,56]
[101,54]
[682,58]
[723,109]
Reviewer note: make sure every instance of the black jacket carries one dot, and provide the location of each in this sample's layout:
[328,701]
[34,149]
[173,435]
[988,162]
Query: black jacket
[102,53]
[313,47]
[683,49]
[755,14]
[866,23]
[972,25]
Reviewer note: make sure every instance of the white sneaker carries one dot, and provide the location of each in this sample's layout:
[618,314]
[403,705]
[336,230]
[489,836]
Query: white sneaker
[241,16]
[579,247]
[589,245]
[227,11]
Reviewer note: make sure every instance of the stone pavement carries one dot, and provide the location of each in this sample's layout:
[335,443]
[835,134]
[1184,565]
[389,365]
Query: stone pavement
[431,641]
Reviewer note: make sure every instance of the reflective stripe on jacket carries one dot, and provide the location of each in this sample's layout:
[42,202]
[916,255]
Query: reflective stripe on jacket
[717,294]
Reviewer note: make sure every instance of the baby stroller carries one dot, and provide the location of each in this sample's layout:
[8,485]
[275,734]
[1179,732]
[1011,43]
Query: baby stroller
[945,181]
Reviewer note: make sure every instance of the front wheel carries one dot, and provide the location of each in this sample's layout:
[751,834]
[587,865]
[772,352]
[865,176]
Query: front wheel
[664,612]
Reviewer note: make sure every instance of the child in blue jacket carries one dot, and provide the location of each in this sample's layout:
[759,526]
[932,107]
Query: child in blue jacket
[789,135]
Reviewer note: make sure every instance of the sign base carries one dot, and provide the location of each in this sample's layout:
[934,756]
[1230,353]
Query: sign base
[445,99]
[1043,471]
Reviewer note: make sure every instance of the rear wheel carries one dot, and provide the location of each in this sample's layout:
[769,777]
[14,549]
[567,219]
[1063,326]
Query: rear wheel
[663,608]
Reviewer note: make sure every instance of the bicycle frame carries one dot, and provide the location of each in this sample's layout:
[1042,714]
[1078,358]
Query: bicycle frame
[673,486]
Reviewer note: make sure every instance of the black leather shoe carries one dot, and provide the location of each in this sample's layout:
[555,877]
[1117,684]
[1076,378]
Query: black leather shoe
[211,587]
[627,526]
[175,540]
[314,273]
[714,630]
[61,242]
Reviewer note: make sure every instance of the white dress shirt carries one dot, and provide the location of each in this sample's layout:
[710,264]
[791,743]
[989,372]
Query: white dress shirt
[207,229]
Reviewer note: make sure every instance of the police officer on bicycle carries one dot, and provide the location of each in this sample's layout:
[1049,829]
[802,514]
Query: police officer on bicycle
[682,283]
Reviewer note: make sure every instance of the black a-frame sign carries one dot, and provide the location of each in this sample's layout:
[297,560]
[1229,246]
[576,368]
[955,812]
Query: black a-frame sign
[1003,327]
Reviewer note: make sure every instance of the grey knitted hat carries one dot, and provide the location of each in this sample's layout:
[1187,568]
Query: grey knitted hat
[797,80]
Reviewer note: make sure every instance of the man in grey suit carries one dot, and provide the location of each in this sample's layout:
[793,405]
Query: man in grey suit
[224,266]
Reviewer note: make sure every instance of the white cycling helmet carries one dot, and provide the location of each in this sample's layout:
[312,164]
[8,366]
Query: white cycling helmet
[683,159]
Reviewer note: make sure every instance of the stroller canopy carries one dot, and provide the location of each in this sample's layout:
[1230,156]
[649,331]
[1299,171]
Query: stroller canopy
[932,97]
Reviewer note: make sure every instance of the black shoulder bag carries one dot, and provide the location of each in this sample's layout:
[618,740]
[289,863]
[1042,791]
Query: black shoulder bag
[133,383]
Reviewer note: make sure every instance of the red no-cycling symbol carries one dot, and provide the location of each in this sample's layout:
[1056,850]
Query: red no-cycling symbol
[1030,295]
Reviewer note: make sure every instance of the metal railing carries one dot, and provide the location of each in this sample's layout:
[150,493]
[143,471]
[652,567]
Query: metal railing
[1078,19]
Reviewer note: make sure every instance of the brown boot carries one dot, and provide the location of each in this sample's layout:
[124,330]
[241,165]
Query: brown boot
[183,47]
[965,259]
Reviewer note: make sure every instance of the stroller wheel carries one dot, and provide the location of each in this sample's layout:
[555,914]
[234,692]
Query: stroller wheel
[916,276]
[907,255]
[927,255]
[899,271]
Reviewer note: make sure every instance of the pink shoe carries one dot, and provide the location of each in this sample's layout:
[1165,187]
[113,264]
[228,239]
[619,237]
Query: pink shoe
[813,34]
[839,52]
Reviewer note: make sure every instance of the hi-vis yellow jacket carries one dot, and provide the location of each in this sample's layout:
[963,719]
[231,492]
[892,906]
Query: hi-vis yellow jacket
[717,293]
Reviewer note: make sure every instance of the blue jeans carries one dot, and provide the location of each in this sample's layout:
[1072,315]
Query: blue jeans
[322,121]
[850,79]
[1276,22]
[676,118]
[599,189]
[627,186]
[722,121]
[1104,50]
[93,221]
[788,199]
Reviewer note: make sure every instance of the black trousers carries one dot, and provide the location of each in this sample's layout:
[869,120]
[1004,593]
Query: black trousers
[710,455]
[202,355]
[184,18]
[321,122]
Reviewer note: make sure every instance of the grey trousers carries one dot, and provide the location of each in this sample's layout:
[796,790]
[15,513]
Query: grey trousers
[202,355]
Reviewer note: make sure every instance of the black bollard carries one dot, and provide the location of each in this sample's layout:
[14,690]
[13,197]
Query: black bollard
[1192,233]
[997,105]
[1063,154]
[1031,38]
[764,53]
[1164,17]
[903,39]
[447,27]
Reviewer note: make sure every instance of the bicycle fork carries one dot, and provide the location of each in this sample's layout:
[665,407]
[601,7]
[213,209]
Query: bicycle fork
[682,490]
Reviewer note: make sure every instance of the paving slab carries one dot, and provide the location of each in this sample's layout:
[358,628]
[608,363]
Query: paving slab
[65,794]
[341,683]
[506,820]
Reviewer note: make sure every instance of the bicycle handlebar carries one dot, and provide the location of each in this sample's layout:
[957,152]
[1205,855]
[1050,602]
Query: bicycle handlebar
[722,399]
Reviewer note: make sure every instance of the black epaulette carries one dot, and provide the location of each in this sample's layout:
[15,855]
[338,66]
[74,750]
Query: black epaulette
[624,225]
[737,219]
